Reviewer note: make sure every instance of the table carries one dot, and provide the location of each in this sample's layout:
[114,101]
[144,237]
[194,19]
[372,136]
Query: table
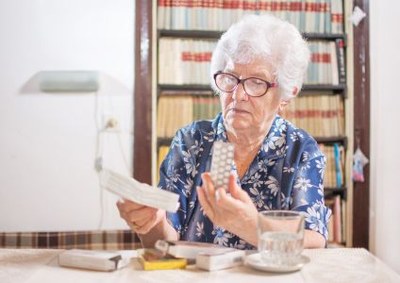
[326,265]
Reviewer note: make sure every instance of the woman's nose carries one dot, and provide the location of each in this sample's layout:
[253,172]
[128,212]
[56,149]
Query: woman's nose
[239,93]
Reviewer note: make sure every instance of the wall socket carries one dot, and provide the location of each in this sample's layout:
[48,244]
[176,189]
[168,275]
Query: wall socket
[98,164]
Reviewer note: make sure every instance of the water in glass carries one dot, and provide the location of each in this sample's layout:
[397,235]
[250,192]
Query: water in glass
[280,248]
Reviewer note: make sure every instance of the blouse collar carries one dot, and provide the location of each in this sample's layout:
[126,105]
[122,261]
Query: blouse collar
[274,145]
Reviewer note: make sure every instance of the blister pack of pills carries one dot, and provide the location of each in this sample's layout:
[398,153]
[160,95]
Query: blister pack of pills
[221,163]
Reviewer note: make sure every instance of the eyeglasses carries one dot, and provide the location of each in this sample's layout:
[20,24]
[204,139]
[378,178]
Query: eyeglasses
[252,86]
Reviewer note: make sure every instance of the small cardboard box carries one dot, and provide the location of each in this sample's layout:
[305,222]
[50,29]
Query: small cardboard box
[93,260]
[220,259]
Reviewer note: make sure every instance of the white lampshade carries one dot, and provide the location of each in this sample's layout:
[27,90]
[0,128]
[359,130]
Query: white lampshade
[69,81]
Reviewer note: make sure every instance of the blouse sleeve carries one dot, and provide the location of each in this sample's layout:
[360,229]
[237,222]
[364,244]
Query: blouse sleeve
[176,175]
[308,190]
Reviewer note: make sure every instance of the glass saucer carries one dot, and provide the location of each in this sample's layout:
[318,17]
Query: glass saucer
[255,261]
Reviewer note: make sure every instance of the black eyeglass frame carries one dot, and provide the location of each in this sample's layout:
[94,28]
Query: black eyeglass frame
[241,81]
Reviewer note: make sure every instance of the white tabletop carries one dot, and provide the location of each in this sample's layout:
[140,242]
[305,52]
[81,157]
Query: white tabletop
[326,265]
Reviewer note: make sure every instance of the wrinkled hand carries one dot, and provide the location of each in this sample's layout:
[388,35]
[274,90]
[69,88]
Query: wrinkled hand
[140,218]
[235,212]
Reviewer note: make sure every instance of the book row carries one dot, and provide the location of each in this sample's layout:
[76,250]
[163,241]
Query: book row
[187,61]
[334,170]
[176,111]
[310,16]
[321,114]
[327,63]
[184,61]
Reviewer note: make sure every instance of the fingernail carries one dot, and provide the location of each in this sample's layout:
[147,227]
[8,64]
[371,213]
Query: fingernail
[217,196]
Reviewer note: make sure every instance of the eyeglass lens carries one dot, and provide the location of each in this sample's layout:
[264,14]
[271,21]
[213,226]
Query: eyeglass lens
[252,86]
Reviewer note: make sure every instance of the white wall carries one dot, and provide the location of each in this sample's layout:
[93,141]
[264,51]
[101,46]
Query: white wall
[385,135]
[48,141]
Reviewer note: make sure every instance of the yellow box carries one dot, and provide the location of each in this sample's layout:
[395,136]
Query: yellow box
[153,260]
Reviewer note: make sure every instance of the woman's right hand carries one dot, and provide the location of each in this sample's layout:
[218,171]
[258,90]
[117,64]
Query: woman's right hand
[140,218]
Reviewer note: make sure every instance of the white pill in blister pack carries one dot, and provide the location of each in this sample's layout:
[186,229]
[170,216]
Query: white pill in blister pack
[221,163]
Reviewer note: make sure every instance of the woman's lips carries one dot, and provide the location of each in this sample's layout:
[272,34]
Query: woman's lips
[236,110]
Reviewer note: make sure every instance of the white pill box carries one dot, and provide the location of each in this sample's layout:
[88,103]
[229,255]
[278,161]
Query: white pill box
[92,260]
[220,259]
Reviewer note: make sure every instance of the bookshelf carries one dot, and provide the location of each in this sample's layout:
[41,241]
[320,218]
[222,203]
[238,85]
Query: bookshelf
[145,169]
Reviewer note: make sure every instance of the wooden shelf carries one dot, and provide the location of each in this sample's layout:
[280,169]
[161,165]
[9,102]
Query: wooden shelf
[204,87]
[325,36]
[190,34]
[185,94]
[321,87]
[330,191]
[187,87]
[331,140]
[210,34]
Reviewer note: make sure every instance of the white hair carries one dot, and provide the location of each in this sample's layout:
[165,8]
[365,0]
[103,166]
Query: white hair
[268,40]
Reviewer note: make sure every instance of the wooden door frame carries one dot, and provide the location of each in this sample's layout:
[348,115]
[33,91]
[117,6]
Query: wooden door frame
[142,149]
[361,137]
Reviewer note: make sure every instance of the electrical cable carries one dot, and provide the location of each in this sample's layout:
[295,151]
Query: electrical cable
[99,158]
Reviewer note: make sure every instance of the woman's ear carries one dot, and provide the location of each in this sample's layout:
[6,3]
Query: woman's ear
[295,91]
[282,105]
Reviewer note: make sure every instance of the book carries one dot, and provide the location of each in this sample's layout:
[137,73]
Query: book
[338,165]
[92,260]
[337,219]
[337,16]
[152,259]
[220,259]
[186,249]
[340,44]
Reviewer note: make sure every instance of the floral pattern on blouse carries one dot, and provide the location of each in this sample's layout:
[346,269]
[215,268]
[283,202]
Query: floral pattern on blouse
[287,173]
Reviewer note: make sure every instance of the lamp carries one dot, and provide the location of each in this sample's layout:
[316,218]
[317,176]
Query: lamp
[69,81]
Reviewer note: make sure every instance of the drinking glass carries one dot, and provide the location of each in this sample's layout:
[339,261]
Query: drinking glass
[280,236]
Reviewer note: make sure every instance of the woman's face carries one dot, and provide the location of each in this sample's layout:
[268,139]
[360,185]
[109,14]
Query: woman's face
[241,111]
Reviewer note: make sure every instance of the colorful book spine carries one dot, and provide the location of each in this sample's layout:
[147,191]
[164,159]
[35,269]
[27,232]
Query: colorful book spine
[340,44]
[337,219]
[337,16]
[338,165]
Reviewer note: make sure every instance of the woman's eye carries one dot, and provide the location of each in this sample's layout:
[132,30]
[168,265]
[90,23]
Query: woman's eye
[257,82]
[230,80]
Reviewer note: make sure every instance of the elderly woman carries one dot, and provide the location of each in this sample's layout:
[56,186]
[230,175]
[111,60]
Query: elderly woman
[256,68]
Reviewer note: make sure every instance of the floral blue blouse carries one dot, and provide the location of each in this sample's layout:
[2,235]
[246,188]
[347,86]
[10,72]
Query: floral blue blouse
[287,173]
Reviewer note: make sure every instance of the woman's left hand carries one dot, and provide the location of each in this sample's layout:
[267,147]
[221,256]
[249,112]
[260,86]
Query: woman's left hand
[234,212]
